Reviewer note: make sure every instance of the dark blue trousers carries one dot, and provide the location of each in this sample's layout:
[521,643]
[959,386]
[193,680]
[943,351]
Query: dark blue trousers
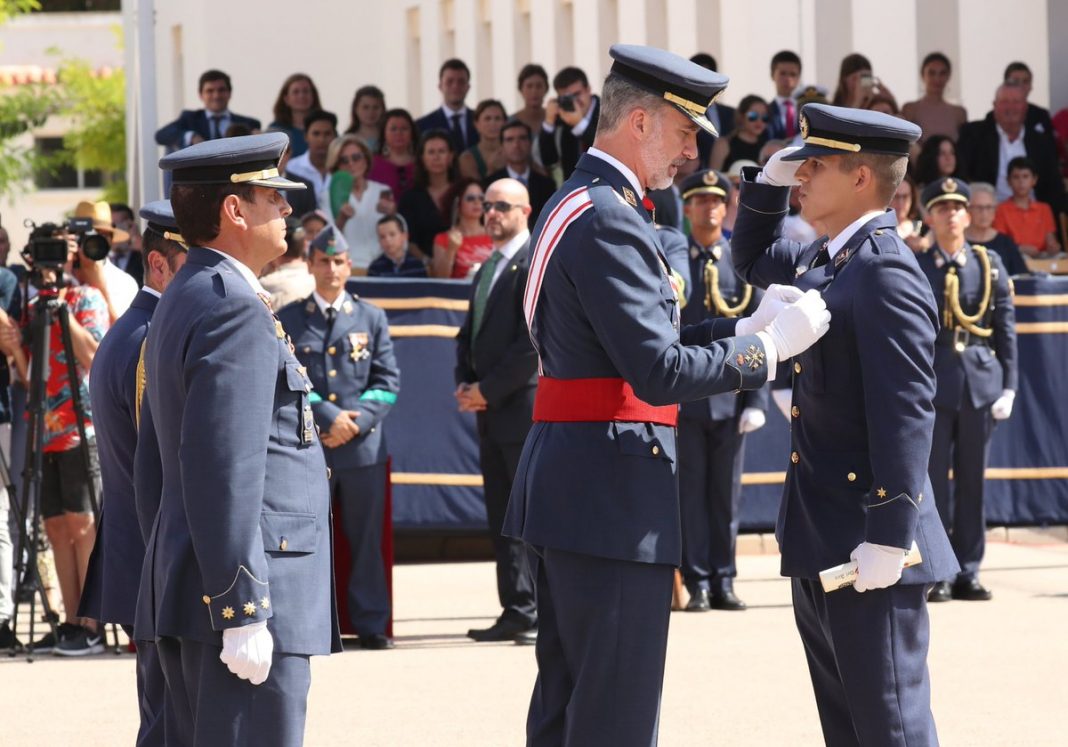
[211,706]
[962,441]
[361,495]
[710,490]
[151,695]
[867,656]
[602,638]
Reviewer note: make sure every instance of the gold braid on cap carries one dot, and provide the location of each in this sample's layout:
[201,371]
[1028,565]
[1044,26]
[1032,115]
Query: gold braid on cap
[141,379]
[714,299]
[954,315]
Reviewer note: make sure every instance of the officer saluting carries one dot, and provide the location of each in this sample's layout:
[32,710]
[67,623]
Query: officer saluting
[712,431]
[862,419]
[975,363]
[344,345]
[238,565]
[595,492]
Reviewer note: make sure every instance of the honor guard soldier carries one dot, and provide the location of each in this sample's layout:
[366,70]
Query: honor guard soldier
[237,578]
[114,572]
[343,345]
[595,493]
[862,418]
[712,430]
[975,364]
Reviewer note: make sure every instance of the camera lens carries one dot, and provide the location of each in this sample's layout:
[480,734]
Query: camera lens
[95,246]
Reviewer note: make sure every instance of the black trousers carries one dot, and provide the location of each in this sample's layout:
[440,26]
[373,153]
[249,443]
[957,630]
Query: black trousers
[962,441]
[710,489]
[361,494]
[212,707]
[515,585]
[151,694]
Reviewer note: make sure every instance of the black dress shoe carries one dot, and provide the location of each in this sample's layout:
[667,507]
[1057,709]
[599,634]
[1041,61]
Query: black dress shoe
[726,600]
[502,630]
[940,592]
[698,601]
[528,637]
[376,642]
[970,590]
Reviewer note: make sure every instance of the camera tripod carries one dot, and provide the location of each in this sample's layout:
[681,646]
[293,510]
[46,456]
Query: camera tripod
[50,310]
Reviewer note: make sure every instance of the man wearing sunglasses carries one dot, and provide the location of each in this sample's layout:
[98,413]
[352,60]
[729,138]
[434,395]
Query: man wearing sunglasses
[496,375]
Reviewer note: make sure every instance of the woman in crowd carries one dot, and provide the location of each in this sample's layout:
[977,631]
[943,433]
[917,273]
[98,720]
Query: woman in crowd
[353,202]
[425,206]
[394,165]
[856,84]
[533,86]
[933,113]
[749,135]
[983,205]
[313,223]
[906,205]
[298,97]
[365,115]
[395,261]
[937,160]
[485,156]
[459,251]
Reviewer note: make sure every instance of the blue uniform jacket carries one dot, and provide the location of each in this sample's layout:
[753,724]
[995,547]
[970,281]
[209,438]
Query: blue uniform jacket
[243,531]
[606,308]
[727,405]
[114,573]
[863,396]
[353,370]
[985,368]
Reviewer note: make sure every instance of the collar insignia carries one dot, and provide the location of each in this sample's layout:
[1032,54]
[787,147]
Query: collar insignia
[630,197]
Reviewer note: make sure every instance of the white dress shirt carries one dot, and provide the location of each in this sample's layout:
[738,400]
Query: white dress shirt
[508,251]
[1007,150]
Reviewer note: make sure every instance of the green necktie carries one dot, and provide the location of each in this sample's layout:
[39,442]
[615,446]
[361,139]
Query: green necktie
[485,282]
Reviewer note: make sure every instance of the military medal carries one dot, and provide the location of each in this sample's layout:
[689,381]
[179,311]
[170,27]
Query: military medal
[360,350]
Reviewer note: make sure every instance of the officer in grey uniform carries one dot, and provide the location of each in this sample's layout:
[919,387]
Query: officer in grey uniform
[344,347]
[237,584]
[712,430]
[975,364]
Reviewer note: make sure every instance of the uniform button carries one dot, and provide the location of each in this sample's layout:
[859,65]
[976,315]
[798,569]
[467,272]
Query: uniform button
[329,472]
[656,450]
[795,411]
[372,430]
[795,457]
[283,544]
[332,397]
[332,372]
[307,349]
[207,599]
[797,367]
[852,477]
[331,350]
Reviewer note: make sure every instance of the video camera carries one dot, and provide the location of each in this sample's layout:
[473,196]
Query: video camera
[47,246]
[94,246]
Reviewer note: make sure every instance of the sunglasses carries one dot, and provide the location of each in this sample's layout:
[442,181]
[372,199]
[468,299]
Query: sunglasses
[474,198]
[354,158]
[500,206]
[753,117]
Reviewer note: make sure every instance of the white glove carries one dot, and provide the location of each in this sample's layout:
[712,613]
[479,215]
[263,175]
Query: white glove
[783,398]
[247,651]
[1002,407]
[780,173]
[799,325]
[878,566]
[751,420]
[776,298]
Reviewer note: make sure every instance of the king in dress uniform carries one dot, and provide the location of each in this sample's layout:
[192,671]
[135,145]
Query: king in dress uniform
[595,492]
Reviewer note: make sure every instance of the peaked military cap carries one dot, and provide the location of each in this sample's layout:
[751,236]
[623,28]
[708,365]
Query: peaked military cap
[249,159]
[834,130]
[329,241]
[160,217]
[810,94]
[687,85]
[945,189]
[706,182]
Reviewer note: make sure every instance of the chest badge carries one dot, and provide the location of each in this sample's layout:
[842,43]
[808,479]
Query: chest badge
[360,346]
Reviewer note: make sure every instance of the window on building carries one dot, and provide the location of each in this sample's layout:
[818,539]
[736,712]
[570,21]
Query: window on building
[75,6]
[63,176]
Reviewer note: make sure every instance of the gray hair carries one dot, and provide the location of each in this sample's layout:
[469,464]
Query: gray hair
[619,97]
[984,187]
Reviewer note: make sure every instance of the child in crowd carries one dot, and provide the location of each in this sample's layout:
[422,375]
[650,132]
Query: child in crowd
[395,261]
[1026,220]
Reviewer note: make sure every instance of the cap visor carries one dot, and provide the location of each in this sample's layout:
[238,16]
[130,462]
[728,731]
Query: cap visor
[812,151]
[701,120]
[278,182]
[946,198]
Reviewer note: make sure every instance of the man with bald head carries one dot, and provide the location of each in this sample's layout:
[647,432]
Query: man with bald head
[986,147]
[496,376]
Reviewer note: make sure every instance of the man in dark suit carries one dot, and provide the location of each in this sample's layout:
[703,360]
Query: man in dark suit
[237,585]
[454,81]
[975,364]
[344,344]
[127,256]
[114,572]
[516,146]
[985,148]
[720,115]
[570,121]
[782,109]
[496,375]
[209,123]
[861,422]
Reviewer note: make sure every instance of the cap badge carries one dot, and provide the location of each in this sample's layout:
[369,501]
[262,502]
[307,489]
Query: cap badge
[710,178]
[949,185]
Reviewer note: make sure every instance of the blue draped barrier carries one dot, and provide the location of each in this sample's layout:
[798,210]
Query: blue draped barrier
[437,485]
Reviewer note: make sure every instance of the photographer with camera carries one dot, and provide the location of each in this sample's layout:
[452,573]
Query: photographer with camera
[570,121]
[66,493]
[95,236]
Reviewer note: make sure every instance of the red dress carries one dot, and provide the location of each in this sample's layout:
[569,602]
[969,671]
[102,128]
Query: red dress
[472,252]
